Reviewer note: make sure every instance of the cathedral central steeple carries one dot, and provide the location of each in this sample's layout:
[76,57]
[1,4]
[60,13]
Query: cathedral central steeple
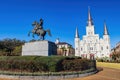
[90,27]
[90,21]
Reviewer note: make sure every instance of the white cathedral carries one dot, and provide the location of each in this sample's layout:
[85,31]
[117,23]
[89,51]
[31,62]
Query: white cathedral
[92,46]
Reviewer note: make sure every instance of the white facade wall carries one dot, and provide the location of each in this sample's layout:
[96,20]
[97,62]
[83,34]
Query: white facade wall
[77,47]
[92,44]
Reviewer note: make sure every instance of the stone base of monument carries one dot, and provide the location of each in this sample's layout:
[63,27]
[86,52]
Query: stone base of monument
[39,48]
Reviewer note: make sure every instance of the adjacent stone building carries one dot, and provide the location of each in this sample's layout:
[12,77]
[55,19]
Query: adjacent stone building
[116,49]
[64,48]
[91,45]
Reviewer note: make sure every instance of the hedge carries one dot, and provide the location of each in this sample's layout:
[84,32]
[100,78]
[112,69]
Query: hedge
[44,64]
[78,64]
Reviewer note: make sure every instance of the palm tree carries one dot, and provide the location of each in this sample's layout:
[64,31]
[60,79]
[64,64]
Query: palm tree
[69,50]
[63,50]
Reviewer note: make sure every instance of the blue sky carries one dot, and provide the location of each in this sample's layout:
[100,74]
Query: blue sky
[60,16]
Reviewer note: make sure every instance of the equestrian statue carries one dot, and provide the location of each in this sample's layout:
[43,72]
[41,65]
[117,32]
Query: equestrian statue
[38,30]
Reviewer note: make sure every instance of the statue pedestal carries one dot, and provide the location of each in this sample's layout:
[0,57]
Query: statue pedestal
[39,48]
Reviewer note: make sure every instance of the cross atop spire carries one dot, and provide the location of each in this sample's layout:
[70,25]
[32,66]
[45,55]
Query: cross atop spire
[105,29]
[90,21]
[76,34]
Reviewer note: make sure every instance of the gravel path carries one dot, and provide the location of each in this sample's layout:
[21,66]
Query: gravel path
[106,74]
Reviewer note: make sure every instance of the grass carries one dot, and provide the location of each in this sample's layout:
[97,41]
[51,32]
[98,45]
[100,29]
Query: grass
[108,65]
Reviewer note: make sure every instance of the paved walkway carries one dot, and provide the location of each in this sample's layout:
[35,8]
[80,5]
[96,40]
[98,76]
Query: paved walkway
[106,74]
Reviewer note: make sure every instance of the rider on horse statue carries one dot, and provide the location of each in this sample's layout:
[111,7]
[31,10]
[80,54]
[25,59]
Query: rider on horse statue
[38,30]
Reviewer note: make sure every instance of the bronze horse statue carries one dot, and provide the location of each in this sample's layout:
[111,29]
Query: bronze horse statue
[38,30]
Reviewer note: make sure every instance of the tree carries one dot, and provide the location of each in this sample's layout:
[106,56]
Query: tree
[70,51]
[8,45]
[17,51]
[115,55]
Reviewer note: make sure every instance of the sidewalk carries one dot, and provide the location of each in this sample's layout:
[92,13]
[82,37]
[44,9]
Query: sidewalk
[106,74]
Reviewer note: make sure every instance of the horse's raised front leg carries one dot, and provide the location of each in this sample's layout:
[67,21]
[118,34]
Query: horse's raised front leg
[33,36]
[43,38]
[29,33]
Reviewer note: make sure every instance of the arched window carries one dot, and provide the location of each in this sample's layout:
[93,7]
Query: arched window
[81,49]
[107,47]
[91,32]
[101,48]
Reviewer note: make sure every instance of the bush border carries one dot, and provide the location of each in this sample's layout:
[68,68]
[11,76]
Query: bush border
[46,73]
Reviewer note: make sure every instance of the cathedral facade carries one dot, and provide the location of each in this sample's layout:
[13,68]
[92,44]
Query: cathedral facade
[91,45]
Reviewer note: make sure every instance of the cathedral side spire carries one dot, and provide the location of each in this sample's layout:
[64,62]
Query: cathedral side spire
[105,29]
[76,34]
[90,21]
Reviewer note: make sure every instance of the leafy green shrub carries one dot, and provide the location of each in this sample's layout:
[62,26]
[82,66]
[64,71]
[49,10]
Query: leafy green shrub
[30,63]
[44,64]
[106,59]
[78,64]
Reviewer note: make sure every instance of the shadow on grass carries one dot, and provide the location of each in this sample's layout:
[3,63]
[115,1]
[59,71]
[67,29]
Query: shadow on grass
[99,69]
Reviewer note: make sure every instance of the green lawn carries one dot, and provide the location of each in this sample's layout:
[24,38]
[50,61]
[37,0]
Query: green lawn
[109,65]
